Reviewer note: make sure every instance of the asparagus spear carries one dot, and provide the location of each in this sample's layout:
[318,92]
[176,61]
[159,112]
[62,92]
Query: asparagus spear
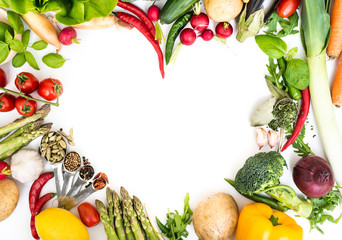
[127,224]
[20,122]
[10,147]
[146,225]
[27,128]
[110,205]
[109,229]
[132,216]
[118,221]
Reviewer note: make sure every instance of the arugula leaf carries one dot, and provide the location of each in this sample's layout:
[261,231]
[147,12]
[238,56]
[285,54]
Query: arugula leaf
[301,148]
[287,25]
[321,205]
[70,12]
[175,226]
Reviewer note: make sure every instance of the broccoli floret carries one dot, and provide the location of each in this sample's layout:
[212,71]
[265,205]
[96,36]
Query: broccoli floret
[260,171]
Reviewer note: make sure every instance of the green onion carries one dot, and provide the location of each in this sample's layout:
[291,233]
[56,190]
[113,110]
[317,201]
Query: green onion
[315,36]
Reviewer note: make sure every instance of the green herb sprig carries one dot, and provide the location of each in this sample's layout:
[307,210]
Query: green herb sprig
[176,224]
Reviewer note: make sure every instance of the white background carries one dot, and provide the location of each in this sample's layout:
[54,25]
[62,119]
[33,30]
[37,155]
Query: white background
[159,138]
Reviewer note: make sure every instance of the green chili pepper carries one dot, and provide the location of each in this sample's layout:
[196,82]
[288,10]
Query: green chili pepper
[292,91]
[173,34]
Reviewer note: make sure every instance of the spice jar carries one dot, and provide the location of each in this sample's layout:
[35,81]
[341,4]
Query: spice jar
[86,172]
[53,147]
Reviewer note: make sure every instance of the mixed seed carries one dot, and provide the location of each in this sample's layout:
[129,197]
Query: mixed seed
[86,172]
[53,147]
[72,161]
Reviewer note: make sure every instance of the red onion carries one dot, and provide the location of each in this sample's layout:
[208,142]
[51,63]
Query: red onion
[313,176]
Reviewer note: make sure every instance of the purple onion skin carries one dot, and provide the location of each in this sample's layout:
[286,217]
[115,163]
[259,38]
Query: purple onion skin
[313,176]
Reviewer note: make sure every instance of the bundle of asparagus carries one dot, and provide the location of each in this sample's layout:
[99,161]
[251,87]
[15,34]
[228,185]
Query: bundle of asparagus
[126,218]
[22,131]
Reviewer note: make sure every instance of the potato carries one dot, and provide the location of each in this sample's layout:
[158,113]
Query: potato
[223,10]
[215,218]
[9,197]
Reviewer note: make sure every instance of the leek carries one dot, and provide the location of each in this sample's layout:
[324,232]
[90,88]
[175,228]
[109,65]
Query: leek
[315,36]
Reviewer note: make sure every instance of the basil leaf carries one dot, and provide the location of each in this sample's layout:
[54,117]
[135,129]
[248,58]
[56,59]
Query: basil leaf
[39,45]
[19,60]
[4,51]
[15,22]
[3,28]
[53,60]
[272,46]
[31,60]
[297,73]
[16,45]
[8,37]
[26,37]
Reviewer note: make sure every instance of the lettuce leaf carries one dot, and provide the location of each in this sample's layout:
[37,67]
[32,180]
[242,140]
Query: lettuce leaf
[68,12]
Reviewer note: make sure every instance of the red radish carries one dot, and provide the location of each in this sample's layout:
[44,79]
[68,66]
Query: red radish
[153,13]
[187,36]
[207,35]
[199,22]
[5,170]
[68,36]
[224,30]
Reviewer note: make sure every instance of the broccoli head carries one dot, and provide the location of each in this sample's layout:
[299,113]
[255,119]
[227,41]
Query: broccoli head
[259,172]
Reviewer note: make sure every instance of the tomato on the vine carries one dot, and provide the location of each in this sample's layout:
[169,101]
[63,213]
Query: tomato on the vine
[3,78]
[6,102]
[50,89]
[285,8]
[26,82]
[25,107]
[88,214]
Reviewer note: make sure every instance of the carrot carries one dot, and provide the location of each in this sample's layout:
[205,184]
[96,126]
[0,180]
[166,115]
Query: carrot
[336,90]
[335,43]
[43,28]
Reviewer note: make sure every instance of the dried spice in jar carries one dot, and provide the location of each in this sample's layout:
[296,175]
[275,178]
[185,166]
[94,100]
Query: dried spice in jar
[72,161]
[86,172]
[53,147]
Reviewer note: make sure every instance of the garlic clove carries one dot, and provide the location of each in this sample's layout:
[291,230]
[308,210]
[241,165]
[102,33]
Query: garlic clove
[261,137]
[273,138]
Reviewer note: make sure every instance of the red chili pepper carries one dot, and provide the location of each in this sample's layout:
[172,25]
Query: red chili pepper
[140,14]
[304,111]
[135,22]
[36,188]
[37,208]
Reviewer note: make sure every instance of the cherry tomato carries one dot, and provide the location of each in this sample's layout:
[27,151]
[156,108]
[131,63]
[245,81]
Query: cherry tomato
[25,107]
[3,78]
[6,102]
[26,82]
[286,8]
[88,214]
[49,89]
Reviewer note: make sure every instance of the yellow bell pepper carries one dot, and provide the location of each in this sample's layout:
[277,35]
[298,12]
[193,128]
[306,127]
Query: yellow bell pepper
[257,221]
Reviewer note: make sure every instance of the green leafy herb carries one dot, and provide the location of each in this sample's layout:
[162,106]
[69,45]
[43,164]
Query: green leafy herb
[175,226]
[288,25]
[19,60]
[3,28]
[4,51]
[321,206]
[272,46]
[39,45]
[8,37]
[16,45]
[15,22]
[26,37]
[31,60]
[297,73]
[300,147]
[54,60]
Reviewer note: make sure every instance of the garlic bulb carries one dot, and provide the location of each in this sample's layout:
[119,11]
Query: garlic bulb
[261,137]
[26,165]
